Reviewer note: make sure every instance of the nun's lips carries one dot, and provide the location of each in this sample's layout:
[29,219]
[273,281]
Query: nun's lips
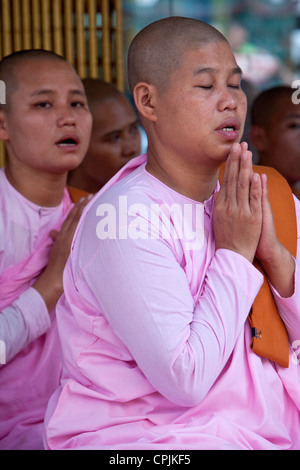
[68,141]
[229,129]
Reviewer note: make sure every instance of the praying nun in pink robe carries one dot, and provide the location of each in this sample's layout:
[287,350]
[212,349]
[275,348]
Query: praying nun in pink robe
[30,367]
[154,332]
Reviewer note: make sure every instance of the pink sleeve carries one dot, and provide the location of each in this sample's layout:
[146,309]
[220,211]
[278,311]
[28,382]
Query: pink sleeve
[180,346]
[22,322]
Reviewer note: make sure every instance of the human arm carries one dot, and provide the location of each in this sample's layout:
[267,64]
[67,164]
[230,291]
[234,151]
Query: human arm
[50,282]
[258,239]
[143,288]
[22,322]
[289,307]
[181,346]
[238,208]
[276,260]
[278,263]
[27,317]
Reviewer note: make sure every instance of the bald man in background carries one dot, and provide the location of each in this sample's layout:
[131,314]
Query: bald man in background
[115,137]
[275,132]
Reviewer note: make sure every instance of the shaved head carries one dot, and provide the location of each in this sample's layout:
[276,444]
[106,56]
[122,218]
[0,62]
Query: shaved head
[268,103]
[10,65]
[157,51]
[98,90]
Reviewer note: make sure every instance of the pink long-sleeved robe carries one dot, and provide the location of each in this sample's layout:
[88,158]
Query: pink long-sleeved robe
[31,366]
[154,332]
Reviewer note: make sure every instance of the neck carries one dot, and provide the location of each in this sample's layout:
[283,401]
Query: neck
[43,190]
[195,184]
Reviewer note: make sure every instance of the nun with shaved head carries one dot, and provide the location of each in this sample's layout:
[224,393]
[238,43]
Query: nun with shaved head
[45,125]
[160,281]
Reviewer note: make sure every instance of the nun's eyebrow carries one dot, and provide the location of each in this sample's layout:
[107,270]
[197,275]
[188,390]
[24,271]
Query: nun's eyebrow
[203,70]
[45,91]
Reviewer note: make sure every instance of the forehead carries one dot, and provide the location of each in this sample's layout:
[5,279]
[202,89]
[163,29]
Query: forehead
[48,74]
[214,57]
[285,108]
[283,111]
[115,111]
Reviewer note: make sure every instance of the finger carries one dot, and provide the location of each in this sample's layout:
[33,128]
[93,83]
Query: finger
[80,205]
[255,195]
[235,149]
[232,173]
[72,215]
[266,206]
[83,204]
[76,211]
[244,145]
[244,177]
[264,181]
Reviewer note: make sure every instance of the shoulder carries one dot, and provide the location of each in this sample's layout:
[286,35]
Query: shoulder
[133,188]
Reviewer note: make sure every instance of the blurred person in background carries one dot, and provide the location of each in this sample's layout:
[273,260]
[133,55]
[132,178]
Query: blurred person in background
[275,132]
[115,137]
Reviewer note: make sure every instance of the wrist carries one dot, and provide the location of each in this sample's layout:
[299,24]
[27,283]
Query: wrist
[274,257]
[280,269]
[49,289]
